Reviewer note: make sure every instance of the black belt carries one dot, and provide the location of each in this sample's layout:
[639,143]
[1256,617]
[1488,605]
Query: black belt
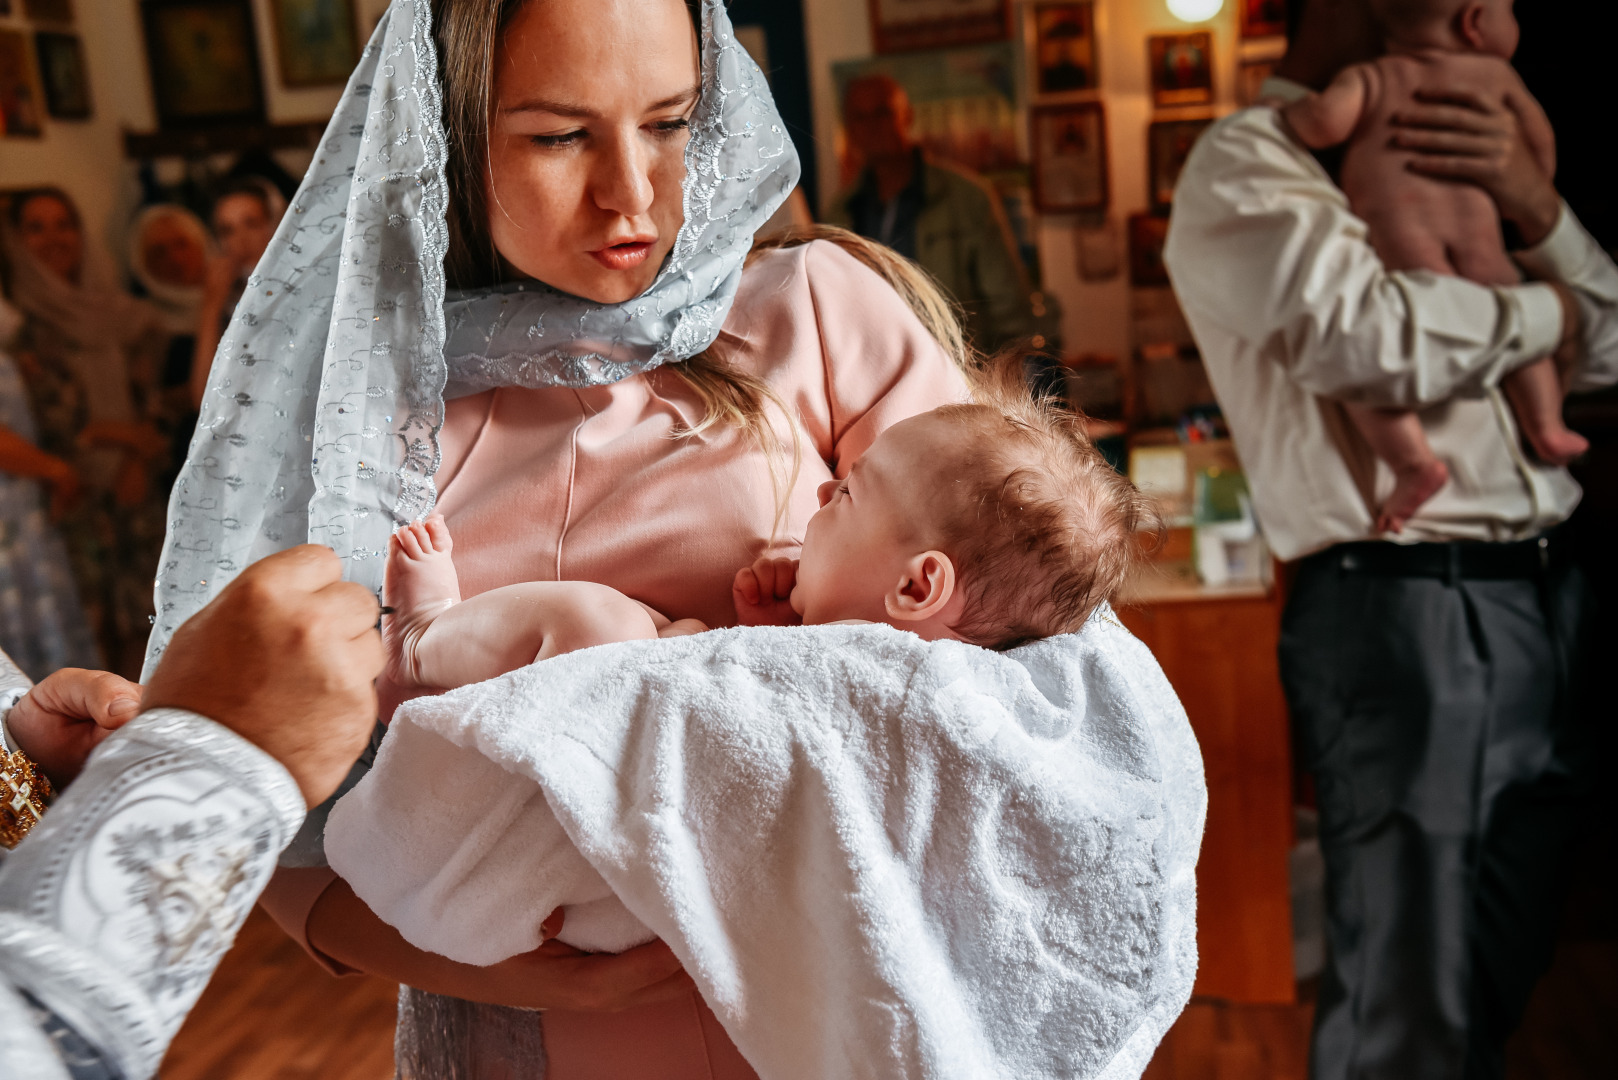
[1456,560]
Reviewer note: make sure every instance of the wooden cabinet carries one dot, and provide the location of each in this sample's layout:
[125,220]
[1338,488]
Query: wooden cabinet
[1218,649]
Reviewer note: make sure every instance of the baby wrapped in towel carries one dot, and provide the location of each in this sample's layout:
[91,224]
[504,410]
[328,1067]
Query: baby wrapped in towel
[995,523]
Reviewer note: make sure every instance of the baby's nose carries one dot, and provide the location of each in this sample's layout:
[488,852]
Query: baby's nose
[824,491]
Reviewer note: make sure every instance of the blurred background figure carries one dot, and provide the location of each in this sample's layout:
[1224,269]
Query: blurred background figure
[246,211]
[940,215]
[82,341]
[42,626]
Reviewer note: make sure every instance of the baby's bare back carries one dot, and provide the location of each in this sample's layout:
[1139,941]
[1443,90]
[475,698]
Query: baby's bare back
[1417,222]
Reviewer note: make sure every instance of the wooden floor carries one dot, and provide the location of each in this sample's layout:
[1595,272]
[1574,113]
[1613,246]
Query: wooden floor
[270,1013]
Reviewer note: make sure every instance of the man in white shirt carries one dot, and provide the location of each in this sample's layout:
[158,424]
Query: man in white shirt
[1431,680]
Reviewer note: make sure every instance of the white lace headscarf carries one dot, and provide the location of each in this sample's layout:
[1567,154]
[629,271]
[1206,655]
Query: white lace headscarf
[323,407]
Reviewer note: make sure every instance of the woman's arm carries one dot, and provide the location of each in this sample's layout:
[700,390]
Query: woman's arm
[19,457]
[553,976]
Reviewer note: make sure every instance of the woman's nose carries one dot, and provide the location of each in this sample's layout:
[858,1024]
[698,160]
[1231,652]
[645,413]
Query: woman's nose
[825,491]
[623,182]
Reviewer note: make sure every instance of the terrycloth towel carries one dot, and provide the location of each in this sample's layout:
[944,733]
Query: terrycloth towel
[876,855]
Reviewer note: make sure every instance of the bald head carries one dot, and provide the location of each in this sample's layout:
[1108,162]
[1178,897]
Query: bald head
[877,115]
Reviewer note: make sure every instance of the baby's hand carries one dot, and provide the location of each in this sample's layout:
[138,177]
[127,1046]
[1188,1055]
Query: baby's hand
[762,593]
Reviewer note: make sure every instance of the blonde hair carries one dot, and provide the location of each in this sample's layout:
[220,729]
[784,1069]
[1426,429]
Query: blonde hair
[1041,528]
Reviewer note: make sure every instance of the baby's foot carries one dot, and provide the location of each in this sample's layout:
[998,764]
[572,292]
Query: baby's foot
[1414,485]
[1558,445]
[420,584]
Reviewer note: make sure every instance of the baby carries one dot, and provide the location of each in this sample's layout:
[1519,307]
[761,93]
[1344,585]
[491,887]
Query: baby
[1420,223]
[994,523]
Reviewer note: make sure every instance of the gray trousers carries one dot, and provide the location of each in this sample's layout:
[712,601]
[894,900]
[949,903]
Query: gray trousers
[1438,721]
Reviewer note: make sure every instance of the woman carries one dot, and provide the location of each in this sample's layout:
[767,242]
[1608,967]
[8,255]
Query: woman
[82,337]
[246,211]
[612,375]
[42,626]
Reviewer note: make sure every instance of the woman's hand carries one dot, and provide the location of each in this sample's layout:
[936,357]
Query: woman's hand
[66,716]
[553,976]
[763,593]
[65,488]
[1460,135]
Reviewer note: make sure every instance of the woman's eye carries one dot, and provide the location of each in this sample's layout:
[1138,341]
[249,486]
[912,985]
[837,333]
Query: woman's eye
[567,138]
[671,127]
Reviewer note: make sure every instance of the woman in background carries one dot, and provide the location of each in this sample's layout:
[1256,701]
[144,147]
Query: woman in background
[82,334]
[245,214]
[42,626]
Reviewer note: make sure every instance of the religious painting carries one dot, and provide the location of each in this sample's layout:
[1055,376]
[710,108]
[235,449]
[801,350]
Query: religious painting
[1070,157]
[315,43]
[1182,68]
[964,102]
[51,11]
[1147,234]
[904,25]
[61,69]
[203,61]
[1064,48]
[21,112]
[1169,143]
[1250,80]
[1263,18]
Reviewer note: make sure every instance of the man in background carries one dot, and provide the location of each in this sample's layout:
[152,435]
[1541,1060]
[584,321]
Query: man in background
[943,217]
[1432,682]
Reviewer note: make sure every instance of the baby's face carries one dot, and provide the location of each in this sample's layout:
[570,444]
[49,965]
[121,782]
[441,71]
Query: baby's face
[869,525]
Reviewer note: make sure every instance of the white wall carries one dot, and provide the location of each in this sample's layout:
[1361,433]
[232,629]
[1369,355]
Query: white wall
[1096,314]
[86,156]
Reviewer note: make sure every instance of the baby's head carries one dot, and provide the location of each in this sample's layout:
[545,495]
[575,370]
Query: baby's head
[1485,26]
[996,522]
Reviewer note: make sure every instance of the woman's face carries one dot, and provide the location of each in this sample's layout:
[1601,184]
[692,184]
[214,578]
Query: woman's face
[587,134]
[243,228]
[50,231]
[173,252]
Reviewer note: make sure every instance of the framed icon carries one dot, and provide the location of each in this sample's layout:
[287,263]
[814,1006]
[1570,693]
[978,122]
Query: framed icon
[1263,18]
[61,70]
[1070,157]
[315,43]
[203,61]
[904,25]
[21,110]
[1182,68]
[1064,48]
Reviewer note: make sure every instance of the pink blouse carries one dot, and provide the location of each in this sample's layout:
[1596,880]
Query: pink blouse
[595,485]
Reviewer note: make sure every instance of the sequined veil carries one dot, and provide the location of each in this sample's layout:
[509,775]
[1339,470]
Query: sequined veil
[321,417]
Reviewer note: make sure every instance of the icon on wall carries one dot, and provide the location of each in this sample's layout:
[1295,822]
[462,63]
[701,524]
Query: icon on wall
[61,70]
[1182,68]
[903,25]
[315,43]
[1064,48]
[20,112]
[203,61]
[1264,18]
[1169,143]
[1070,157]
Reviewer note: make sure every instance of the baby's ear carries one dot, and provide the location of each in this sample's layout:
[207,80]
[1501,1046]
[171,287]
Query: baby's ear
[924,589]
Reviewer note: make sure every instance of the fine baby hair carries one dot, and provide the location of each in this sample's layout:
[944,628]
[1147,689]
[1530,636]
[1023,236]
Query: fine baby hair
[1042,529]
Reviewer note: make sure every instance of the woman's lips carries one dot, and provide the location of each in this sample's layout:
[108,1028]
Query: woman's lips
[624,256]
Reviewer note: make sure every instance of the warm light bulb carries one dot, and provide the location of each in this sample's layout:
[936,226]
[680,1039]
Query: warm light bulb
[1195,10]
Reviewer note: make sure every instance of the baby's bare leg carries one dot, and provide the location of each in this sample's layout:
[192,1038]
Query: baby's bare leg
[1535,393]
[436,639]
[1396,437]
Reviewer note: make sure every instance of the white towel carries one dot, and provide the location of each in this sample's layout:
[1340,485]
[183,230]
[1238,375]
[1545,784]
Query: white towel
[877,856]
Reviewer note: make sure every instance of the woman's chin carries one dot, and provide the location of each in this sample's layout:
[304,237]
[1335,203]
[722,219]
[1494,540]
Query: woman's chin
[603,286]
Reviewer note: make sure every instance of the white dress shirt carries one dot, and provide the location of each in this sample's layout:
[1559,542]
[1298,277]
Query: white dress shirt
[1294,312]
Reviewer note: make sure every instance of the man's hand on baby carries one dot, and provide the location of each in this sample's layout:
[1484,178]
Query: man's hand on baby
[763,593]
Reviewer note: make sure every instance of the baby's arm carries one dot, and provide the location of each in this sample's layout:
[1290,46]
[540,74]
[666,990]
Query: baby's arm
[763,593]
[1328,118]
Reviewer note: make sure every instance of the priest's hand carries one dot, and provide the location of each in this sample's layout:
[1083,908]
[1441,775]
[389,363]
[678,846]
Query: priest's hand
[284,656]
[64,717]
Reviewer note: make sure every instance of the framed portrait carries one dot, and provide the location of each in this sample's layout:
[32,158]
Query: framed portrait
[1070,157]
[315,43]
[21,111]
[203,61]
[61,70]
[1182,68]
[1147,233]
[1064,47]
[1250,79]
[51,11]
[1264,18]
[903,25]
[1168,144]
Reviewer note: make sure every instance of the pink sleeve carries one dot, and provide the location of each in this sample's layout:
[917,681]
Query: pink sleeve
[290,897]
[881,365]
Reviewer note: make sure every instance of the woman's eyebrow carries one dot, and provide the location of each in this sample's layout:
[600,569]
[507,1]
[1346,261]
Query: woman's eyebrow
[582,111]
